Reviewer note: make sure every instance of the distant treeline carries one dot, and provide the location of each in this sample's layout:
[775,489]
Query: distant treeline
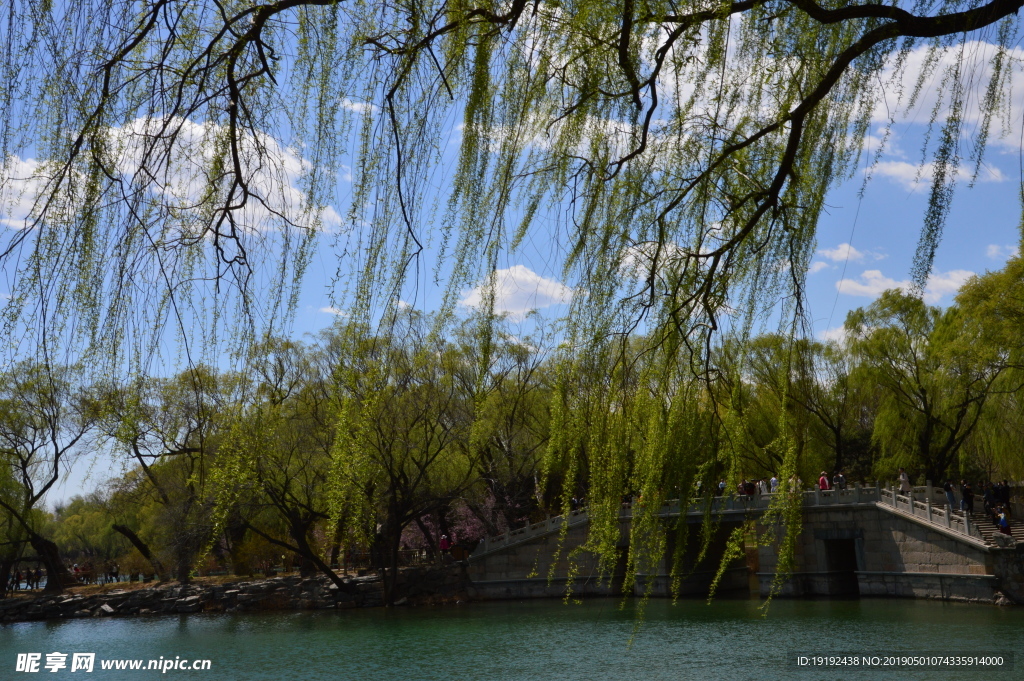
[369,443]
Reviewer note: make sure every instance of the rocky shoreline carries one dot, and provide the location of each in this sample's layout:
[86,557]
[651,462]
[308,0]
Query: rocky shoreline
[416,586]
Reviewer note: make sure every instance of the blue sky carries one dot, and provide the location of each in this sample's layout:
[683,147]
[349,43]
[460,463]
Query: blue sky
[866,245]
[866,242]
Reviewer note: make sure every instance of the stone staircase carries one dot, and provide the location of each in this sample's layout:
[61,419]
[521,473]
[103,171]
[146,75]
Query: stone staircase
[988,529]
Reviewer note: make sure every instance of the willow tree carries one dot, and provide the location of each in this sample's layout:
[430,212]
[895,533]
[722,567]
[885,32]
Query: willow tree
[934,375]
[45,420]
[992,316]
[169,432]
[169,163]
[402,449]
[292,414]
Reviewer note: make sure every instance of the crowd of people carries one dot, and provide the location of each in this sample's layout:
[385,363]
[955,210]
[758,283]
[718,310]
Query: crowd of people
[995,495]
[752,487]
[27,579]
[86,573]
[995,500]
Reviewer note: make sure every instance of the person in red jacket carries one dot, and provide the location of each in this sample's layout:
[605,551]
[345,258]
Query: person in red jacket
[823,482]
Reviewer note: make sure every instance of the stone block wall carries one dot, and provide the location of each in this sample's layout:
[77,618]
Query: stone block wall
[530,569]
[842,551]
[541,568]
[891,556]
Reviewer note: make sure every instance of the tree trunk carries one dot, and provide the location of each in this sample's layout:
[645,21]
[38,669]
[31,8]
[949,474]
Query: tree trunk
[331,574]
[431,546]
[490,527]
[391,539]
[389,574]
[184,565]
[57,576]
[298,529]
[441,513]
[235,533]
[142,548]
[335,552]
[5,574]
[336,546]
[304,549]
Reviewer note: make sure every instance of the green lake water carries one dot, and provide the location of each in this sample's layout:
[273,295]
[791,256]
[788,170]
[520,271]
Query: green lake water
[729,639]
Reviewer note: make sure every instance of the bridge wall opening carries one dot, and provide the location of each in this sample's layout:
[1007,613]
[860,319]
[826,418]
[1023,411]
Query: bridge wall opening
[841,564]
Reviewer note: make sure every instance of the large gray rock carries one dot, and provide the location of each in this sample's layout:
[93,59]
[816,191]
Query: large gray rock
[1004,541]
[189,604]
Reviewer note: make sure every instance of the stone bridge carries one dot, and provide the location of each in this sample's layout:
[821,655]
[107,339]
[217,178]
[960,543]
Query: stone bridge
[862,541]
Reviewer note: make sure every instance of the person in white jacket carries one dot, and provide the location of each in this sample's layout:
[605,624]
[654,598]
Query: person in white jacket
[905,487]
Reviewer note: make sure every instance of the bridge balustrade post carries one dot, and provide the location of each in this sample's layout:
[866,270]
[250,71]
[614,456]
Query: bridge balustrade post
[967,523]
[928,504]
[817,496]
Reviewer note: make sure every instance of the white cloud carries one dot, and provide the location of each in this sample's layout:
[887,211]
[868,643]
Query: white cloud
[516,340]
[841,253]
[357,107]
[184,150]
[636,261]
[997,252]
[941,284]
[914,177]
[836,334]
[882,141]
[872,283]
[973,59]
[20,182]
[334,311]
[817,267]
[517,291]
[846,252]
[270,168]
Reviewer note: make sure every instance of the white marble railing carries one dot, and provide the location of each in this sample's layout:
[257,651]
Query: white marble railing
[529,531]
[855,494]
[932,509]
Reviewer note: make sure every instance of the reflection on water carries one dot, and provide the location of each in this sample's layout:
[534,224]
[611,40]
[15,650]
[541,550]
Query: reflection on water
[728,639]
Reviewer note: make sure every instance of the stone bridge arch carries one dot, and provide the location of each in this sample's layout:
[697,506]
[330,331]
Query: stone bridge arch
[865,541]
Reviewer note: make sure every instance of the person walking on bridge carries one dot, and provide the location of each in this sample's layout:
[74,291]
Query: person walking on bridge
[948,488]
[823,482]
[966,497]
[905,488]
